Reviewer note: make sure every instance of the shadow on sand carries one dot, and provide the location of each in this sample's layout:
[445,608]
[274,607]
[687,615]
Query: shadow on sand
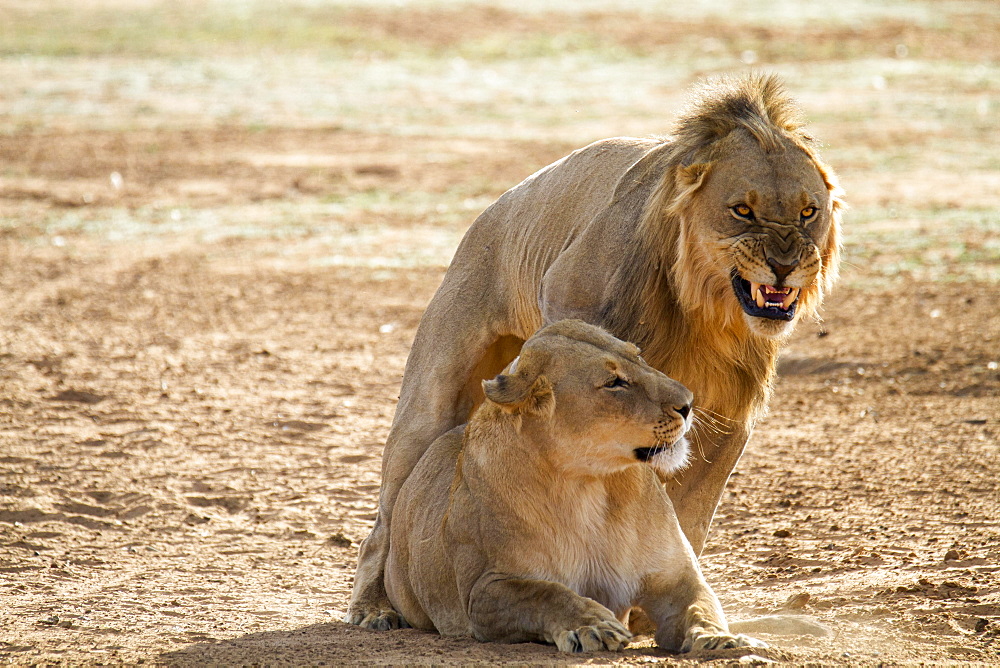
[338,644]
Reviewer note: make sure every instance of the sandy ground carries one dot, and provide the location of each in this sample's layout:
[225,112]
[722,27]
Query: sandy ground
[191,429]
[218,232]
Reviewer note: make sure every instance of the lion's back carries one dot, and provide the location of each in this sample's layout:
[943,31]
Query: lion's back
[569,193]
[510,246]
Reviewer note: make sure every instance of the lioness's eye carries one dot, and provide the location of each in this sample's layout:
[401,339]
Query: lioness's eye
[743,211]
[616,382]
[808,212]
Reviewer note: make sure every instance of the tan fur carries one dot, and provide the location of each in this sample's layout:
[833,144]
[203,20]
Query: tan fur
[540,522]
[638,236]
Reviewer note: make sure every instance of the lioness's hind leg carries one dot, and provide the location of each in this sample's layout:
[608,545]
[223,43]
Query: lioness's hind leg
[433,400]
[377,619]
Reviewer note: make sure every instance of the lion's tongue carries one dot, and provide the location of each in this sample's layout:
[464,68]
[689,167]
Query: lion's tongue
[768,295]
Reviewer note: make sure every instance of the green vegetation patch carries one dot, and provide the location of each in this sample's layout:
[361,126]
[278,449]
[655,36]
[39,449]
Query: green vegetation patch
[485,33]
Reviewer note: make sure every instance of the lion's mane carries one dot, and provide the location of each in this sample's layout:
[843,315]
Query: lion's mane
[661,309]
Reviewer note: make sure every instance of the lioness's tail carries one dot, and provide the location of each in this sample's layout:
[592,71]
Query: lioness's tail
[781,625]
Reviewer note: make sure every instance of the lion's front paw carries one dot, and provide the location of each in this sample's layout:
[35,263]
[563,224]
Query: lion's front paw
[605,635]
[378,619]
[700,639]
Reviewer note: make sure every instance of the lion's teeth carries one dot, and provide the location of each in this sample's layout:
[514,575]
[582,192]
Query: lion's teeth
[789,298]
[758,293]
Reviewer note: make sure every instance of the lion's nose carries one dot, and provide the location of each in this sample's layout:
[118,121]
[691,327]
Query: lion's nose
[781,271]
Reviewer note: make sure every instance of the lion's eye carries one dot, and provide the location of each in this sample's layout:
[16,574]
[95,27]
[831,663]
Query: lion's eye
[808,212]
[743,211]
[615,383]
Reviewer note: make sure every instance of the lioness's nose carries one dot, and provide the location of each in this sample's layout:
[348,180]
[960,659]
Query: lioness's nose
[683,410]
[781,271]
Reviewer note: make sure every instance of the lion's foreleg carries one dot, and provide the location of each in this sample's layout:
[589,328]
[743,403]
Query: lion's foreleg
[370,606]
[511,609]
[697,490]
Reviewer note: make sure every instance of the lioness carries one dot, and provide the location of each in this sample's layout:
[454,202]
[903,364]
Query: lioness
[540,521]
[703,248]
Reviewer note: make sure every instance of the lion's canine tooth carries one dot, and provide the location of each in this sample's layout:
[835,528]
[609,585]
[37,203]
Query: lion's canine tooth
[757,290]
[789,298]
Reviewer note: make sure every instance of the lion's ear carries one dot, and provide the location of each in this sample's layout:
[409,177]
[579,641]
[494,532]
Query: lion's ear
[830,267]
[691,177]
[829,178]
[523,389]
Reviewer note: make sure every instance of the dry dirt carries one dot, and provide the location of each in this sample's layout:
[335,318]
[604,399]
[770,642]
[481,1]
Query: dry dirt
[191,425]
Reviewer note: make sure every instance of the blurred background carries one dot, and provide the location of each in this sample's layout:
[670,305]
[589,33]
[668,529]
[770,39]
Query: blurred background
[904,94]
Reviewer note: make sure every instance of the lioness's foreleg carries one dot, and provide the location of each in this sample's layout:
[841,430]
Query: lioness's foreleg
[688,615]
[505,608]
[703,633]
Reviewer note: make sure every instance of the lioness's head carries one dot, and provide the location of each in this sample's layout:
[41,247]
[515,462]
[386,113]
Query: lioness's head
[759,213]
[600,405]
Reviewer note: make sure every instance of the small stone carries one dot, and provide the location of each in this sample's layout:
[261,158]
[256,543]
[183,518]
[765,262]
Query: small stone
[952,555]
[339,539]
[782,533]
[797,601]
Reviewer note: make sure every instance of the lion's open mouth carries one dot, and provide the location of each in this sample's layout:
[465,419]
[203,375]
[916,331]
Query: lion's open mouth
[765,301]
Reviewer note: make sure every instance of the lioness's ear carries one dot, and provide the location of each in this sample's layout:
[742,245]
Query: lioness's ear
[518,394]
[523,388]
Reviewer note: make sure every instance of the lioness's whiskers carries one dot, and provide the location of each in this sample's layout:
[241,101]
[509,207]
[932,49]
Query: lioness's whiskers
[712,422]
[709,411]
[708,424]
[719,420]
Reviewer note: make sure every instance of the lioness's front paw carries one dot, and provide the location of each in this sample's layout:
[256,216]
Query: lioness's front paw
[605,635]
[376,620]
[708,640]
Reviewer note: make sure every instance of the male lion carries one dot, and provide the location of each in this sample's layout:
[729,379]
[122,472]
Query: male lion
[540,521]
[704,248]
